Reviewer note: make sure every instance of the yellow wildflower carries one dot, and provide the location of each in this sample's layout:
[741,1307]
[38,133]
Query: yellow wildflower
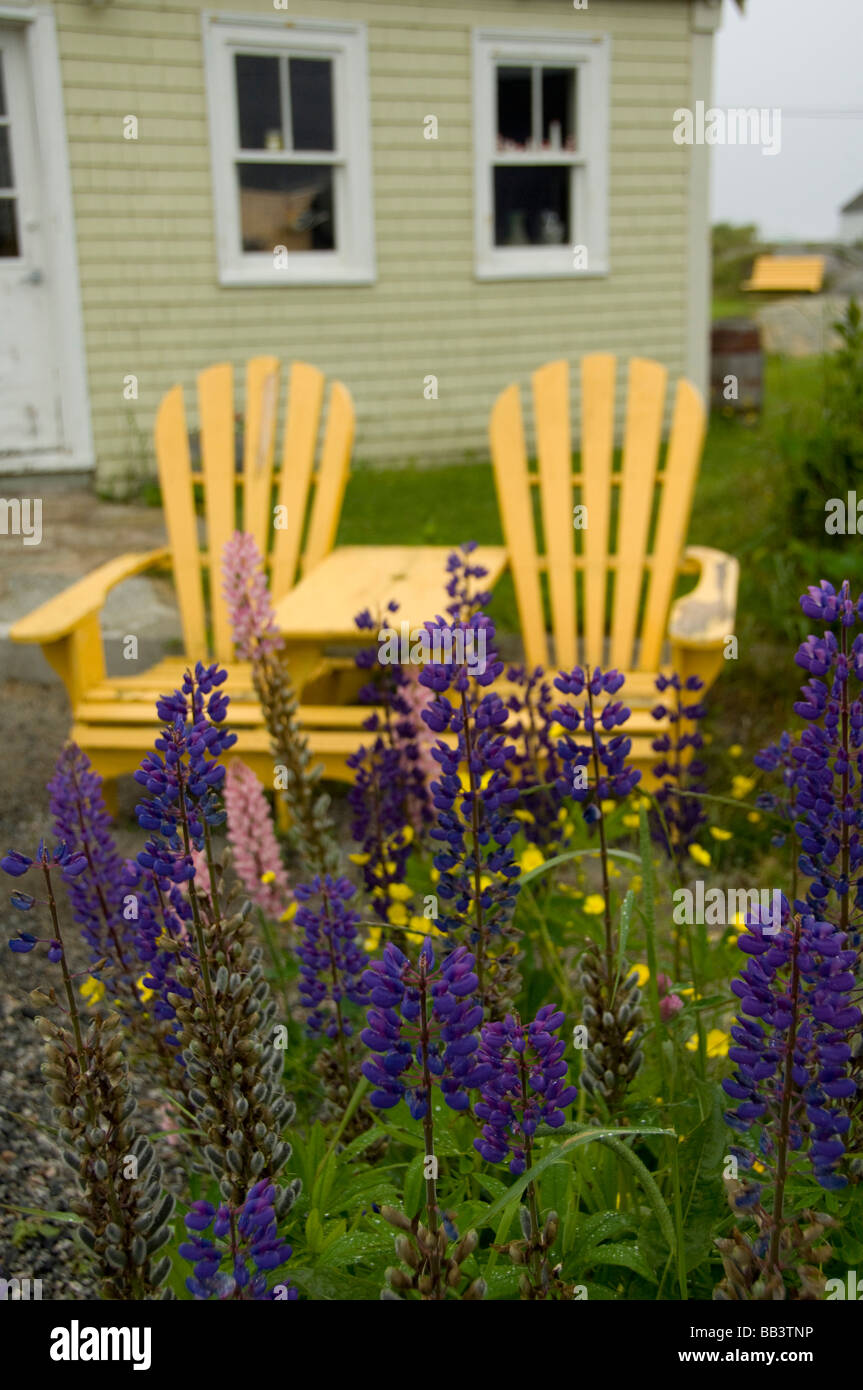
[635,883]
[594,904]
[268,877]
[631,822]
[719,834]
[373,939]
[735,750]
[531,859]
[397,913]
[400,891]
[289,913]
[359,858]
[716,1043]
[92,991]
[701,856]
[753,817]
[643,974]
[525,816]
[741,786]
[143,989]
[607,807]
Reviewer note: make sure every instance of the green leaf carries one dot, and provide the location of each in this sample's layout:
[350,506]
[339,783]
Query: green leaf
[560,1154]
[413,1190]
[572,854]
[625,1255]
[597,1227]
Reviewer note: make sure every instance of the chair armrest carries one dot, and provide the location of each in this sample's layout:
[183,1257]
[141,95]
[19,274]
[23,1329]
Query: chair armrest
[705,616]
[65,612]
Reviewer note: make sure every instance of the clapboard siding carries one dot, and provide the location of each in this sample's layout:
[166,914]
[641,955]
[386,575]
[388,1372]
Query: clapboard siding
[152,304]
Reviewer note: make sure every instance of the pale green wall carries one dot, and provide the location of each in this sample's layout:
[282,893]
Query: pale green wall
[151,299]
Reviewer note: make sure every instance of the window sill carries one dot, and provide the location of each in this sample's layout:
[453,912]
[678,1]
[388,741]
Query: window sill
[252,276]
[510,270]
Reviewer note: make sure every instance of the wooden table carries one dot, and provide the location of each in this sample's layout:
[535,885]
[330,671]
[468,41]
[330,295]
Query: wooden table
[321,609]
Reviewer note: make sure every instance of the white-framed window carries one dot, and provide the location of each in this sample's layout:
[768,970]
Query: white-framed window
[541,150]
[291,151]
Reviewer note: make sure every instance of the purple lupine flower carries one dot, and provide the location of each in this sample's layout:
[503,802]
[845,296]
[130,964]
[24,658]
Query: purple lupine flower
[332,960]
[579,758]
[675,771]
[466,599]
[250,1247]
[526,1086]
[473,821]
[97,896]
[829,757]
[16,865]
[537,770]
[791,1039]
[774,757]
[422,1023]
[182,783]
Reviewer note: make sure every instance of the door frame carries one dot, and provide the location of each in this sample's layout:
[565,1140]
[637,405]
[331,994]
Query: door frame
[43,57]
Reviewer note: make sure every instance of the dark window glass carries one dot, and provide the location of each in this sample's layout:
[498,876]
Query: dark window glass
[8,228]
[558,107]
[259,102]
[531,205]
[287,205]
[514,121]
[6,179]
[311,87]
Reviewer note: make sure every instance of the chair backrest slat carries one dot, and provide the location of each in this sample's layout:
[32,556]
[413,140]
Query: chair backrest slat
[509,455]
[305,396]
[554,455]
[220,481]
[688,428]
[645,403]
[628,573]
[332,476]
[218,465]
[175,478]
[259,443]
[597,458]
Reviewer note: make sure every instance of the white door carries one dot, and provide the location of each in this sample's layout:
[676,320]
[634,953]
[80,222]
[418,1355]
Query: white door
[31,423]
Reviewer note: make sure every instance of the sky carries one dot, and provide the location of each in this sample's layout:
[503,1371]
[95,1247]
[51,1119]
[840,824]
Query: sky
[802,56]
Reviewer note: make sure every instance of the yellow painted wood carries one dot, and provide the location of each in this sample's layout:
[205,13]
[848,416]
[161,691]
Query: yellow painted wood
[554,455]
[332,476]
[60,615]
[305,397]
[792,273]
[509,461]
[322,607]
[172,455]
[597,457]
[216,417]
[645,401]
[262,403]
[678,488]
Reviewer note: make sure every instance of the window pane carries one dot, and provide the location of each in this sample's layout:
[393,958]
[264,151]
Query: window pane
[6,180]
[287,205]
[8,228]
[514,122]
[311,84]
[558,108]
[531,206]
[258,102]
[2,89]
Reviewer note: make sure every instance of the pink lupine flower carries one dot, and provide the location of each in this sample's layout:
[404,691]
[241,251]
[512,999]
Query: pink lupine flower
[247,595]
[669,1006]
[255,850]
[202,871]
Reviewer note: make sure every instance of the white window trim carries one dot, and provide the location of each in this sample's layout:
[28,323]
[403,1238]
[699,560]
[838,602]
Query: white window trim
[353,262]
[590,54]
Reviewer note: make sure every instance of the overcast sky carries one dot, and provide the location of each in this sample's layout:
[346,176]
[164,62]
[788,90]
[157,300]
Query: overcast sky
[802,56]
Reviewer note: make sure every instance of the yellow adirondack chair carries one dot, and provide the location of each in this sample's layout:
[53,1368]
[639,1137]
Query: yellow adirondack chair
[610,584]
[113,717]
